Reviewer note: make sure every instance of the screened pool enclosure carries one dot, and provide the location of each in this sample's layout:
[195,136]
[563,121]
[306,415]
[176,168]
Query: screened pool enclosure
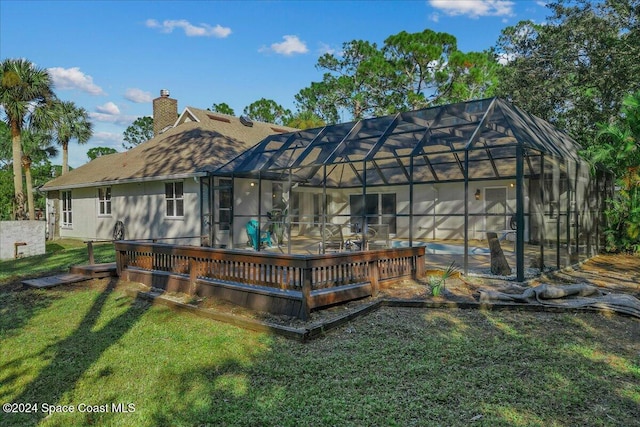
[443,176]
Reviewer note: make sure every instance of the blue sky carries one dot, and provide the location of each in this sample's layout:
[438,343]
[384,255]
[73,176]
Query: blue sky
[114,57]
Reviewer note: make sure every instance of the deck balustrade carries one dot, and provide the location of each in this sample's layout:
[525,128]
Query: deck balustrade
[277,283]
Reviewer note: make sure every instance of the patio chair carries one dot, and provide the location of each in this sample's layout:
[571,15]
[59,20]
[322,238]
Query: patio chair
[378,236]
[257,239]
[333,239]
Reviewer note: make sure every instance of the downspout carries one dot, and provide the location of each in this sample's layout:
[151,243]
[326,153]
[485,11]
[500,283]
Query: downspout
[364,205]
[324,208]
[259,236]
[466,211]
[519,213]
[200,206]
[568,223]
[542,225]
[233,209]
[289,218]
[410,201]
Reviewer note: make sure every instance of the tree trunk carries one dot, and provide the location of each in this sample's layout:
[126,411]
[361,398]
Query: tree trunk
[65,157]
[499,264]
[26,163]
[17,169]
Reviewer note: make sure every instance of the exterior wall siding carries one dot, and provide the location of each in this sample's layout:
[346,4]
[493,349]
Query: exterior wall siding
[141,207]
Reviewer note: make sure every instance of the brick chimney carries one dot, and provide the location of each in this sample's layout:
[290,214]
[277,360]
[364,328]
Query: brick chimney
[165,112]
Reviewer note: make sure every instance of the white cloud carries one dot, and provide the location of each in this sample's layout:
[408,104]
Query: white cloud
[73,78]
[108,137]
[473,8]
[325,48]
[108,108]
[137,95]
[291,45]
[190,30]
[113,118]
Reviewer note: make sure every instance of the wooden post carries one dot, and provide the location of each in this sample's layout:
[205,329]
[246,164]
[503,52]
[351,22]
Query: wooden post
[374,277]
[121,263]
[419,267]
[194,269]
[90,250]
[306,293]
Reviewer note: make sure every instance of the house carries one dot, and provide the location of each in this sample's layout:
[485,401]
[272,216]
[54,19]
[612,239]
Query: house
[152,190]
[453,172]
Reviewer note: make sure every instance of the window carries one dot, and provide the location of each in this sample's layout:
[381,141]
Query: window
[317,208]
[377,208]
[174,197]
[224,209]
[104,201]
[67,220]
[278,196]
[388,205]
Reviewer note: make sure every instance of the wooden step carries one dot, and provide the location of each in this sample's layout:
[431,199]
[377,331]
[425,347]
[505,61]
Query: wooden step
[96,270]
[58,279]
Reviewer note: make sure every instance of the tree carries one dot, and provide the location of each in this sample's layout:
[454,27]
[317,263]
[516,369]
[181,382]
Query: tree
[476,77]
[42,172]
[36,147]
[139,131]
[70,122]
[411,71]
[38,169]
[575,70]
[222,108]
[423,66]
[619,151]
[359,81]
[320,101]
[5,144]
[23,88]
[305,120]
[96,152]
[268,111]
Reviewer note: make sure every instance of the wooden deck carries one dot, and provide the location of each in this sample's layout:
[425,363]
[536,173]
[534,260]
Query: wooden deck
[276,283]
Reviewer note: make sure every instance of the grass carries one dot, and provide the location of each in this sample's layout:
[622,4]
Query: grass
[59,256]
[92,344]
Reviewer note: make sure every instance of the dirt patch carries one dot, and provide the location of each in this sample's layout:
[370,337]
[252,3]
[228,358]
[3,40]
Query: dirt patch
[616,273]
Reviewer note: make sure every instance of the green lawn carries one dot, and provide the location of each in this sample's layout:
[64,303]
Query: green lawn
[59,256]
[90,344]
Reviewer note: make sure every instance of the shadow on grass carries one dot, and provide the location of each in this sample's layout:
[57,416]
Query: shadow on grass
[422,367]
[72,356]
[52,262]
[19,304]
[54,247]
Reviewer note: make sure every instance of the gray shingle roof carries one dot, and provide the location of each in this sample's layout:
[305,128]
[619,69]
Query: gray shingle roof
[201,140]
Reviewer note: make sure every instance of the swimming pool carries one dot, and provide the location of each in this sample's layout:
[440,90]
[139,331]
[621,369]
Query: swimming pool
[441,248]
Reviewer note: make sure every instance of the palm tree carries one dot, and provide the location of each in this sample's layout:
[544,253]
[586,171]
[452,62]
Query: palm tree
[618,149]
[35,146]
[70,122]
[23,88]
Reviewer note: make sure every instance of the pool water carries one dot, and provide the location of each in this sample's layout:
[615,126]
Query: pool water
[441,248]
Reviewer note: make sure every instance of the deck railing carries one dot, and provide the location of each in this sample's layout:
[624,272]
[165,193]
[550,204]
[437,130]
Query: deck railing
[312,277]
